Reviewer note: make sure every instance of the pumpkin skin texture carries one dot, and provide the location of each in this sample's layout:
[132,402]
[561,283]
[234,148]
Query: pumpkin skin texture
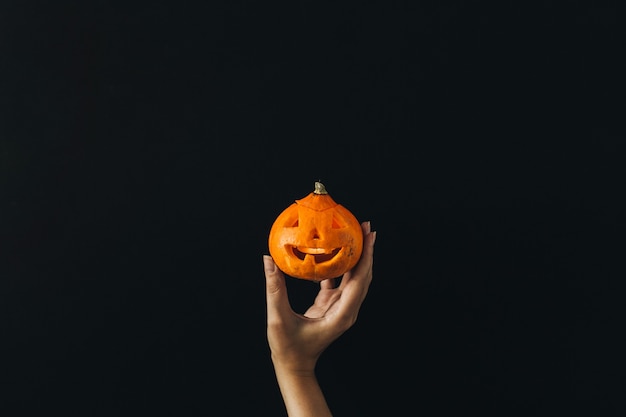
[315,238]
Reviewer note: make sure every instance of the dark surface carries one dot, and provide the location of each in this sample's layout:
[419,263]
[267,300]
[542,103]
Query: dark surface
[146,148]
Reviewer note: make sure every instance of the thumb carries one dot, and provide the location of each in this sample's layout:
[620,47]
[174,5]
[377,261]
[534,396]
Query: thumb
[275,289]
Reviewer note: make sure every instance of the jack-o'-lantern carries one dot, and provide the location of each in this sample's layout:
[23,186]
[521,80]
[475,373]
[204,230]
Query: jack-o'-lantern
[315,238]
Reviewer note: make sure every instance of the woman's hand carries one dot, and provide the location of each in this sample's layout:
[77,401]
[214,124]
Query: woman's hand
[297,340]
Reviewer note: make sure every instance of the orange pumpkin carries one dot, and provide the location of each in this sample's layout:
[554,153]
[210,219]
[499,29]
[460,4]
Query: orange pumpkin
[315,238]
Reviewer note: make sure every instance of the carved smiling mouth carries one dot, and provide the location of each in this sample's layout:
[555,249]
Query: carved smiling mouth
[319,254]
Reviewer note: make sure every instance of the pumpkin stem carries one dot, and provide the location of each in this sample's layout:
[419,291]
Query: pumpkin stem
[319,188]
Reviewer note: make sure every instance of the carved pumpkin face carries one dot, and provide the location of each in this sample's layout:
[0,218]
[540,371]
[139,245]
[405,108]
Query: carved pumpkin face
[315,238]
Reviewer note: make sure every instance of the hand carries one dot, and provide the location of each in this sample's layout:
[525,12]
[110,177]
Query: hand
[297,340]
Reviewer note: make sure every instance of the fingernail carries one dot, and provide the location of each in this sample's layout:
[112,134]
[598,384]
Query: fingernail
[268,263]
[373,237]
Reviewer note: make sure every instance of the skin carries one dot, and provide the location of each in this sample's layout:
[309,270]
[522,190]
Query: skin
[296,341]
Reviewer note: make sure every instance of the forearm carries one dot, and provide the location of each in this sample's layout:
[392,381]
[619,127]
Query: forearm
[301,393]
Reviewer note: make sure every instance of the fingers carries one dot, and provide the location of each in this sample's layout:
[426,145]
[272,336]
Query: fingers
[366,227]
[356,282]
[275,289]
[363,269]
[327,284]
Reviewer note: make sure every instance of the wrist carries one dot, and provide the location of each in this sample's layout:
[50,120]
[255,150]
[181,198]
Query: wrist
[295,368]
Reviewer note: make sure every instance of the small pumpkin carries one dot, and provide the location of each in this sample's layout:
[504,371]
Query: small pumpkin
[315,238]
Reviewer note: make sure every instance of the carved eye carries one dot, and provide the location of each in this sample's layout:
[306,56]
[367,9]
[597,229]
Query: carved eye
[336,224]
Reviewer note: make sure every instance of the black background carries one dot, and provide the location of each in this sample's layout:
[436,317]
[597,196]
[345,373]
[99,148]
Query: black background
[146,148]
